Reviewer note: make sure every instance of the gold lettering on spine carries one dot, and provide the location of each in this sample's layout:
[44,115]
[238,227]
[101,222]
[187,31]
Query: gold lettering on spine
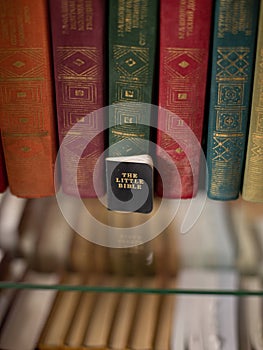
[80,16]
[72,16]
[121,18]
[12,24]
[229,11]
[132,15]
[128,18]
[186,18]
[89,15]
[64,16]
[76,15]
[136,14]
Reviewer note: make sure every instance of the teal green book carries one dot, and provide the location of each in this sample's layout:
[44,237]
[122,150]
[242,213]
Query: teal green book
[132,51]
[233,55]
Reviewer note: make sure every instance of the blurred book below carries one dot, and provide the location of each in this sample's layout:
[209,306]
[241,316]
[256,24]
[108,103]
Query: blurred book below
[205,321]
[27,313]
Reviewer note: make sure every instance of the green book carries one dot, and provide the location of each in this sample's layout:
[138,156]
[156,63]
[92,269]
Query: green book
[132,50]
[233,54]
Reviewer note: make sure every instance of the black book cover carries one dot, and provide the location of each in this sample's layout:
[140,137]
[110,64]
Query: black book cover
[130,183]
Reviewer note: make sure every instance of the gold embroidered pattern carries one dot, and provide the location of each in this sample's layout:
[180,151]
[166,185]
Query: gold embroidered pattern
[77,63]
[132,65]
[77,72]
[182,71]
[232,72]
[23,71]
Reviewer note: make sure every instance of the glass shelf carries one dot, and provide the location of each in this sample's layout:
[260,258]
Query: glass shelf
[218,239]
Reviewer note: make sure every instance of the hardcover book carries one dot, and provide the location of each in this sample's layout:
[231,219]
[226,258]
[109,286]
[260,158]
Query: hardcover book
[78,36]
[80,320]
[16,273]
[124,317]
[233,54]
[184,50]
[165,318]
[253,177]
[145,321]
[28,313]
[104,309]
[3,175]
[132,50]
[60,317]
[130,183]
[27,101]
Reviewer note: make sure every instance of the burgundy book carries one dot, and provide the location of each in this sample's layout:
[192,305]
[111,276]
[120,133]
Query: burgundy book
[184,51]
[78,29]
[3,176]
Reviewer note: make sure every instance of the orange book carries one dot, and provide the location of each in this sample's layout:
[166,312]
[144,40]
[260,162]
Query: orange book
[26,98]
[3,178]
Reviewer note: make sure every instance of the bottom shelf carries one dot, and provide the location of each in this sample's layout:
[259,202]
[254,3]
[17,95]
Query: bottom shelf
[135,319]
[200,289]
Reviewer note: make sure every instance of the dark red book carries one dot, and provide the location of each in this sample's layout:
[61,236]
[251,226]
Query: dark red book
[78,36]
[184,52]
[3,176]
[27,116]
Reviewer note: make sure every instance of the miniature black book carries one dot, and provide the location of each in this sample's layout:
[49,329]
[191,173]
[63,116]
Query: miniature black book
[130,183]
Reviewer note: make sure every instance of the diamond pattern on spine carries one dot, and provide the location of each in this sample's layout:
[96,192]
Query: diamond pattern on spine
[256,154]
[132,62]
[227,149]
[232,63]
[16,64]
[181,63]
[74,62]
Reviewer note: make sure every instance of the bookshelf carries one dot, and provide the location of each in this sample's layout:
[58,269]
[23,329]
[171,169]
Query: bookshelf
[223,235]
[215,252]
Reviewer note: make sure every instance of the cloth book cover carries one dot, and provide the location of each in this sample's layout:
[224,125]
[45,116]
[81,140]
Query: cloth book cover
[132,51]
[232,72]
[27,114]
[78,37]
[185,28]
[253,177]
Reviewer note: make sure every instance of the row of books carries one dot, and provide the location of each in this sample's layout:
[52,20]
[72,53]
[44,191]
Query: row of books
[202,55]
[74,318]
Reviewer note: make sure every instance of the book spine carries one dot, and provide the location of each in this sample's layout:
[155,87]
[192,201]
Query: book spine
[132,49]
[233,54]
[184,51]
[253,174]
[78,36]
[3,175]
[27,106]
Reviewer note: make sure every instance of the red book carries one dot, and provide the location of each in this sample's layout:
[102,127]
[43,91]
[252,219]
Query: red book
[78,36]
[184,51]
[26,98]
[3,177]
